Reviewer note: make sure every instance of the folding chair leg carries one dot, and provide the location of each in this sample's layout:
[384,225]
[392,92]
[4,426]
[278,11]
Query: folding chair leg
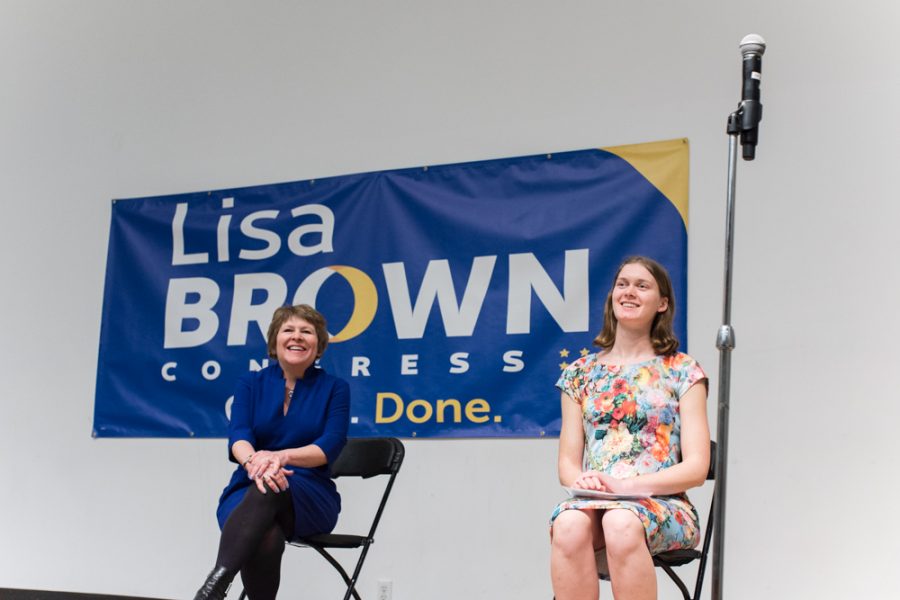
[706,541]
[677,580]
[356,571]
[350,583]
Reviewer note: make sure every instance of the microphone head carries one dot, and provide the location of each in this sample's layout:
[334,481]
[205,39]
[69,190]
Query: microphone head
[753,44]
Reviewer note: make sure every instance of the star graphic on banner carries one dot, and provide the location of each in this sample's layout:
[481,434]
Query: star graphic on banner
[584,351]
[564,353]
[563,365]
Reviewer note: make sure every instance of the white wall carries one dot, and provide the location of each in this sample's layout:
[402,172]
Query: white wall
[106,99]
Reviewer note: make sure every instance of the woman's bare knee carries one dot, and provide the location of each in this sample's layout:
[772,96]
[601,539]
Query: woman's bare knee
[572,531]
[623,532]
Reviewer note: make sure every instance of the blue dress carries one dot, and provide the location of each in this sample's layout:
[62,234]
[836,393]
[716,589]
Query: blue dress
[319,414]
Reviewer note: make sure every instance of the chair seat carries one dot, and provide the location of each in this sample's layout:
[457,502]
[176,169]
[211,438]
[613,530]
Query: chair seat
[331,540]
[676,558]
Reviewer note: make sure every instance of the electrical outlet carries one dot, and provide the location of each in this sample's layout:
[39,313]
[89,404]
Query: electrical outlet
[384,589]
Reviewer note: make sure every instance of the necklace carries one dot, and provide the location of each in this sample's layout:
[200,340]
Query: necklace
[290,396]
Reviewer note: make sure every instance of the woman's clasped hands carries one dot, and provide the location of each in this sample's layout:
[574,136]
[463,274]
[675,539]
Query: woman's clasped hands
[266,470]
[600,482]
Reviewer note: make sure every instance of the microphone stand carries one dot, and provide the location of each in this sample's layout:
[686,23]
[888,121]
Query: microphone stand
[725,343]
[743,124]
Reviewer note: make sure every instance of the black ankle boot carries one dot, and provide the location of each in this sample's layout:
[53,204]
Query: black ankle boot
[216,586]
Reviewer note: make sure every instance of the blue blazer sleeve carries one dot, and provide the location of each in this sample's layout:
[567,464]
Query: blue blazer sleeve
[337,420]
[241,425]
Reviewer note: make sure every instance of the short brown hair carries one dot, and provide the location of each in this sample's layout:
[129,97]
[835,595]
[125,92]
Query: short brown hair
[299,311]
[662,335]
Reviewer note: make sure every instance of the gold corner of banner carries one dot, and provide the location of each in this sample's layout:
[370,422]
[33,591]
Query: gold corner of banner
[665,164]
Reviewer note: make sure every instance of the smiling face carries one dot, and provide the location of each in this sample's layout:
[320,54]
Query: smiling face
[296,345]
[636,298]
[641,290]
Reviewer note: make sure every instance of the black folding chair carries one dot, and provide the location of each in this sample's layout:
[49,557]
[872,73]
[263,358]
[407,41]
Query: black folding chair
[365,458]
[677,558]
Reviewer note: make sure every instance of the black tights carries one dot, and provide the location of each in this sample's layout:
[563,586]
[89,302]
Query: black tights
[253,540]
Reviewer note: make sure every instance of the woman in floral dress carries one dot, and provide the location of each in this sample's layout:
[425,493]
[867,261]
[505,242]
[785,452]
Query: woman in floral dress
[633,423]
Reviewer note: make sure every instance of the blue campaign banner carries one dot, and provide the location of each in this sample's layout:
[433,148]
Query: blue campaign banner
[454,294]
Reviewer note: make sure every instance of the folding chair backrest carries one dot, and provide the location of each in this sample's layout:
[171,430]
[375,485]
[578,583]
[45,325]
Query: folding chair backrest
[368,457]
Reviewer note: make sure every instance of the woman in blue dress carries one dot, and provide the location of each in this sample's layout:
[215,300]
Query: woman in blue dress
[288,423]
[633,424]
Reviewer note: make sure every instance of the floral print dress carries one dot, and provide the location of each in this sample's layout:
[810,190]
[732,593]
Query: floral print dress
[632,426]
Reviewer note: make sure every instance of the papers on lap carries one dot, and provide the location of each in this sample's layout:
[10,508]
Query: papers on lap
[593,494]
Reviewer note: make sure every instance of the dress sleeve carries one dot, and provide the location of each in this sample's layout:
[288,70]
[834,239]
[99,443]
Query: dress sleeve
[337,420]
[690,372]
[571,380]
[240,427]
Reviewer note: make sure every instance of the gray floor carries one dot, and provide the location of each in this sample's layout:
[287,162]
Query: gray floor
[10,594]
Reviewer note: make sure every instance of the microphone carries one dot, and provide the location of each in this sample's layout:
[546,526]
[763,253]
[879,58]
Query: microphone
[750,109]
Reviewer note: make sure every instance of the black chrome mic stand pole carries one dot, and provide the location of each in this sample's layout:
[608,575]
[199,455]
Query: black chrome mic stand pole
[743,124]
